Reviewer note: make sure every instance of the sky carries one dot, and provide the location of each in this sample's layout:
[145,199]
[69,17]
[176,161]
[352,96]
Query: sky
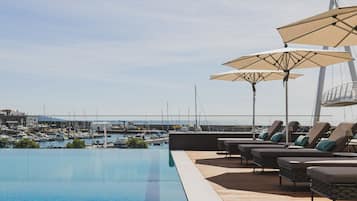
[134,57]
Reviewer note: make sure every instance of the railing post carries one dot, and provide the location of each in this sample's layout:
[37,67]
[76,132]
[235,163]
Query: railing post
[349,92]
[354,90]
[335,93]
[341,91]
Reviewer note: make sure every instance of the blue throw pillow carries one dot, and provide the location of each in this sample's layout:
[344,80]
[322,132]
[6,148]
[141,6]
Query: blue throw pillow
[263,135]
[325,145]
[276,137]
[355,136]
[302,140]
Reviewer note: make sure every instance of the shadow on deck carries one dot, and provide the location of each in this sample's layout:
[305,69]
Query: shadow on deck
[267,182]
[233,181]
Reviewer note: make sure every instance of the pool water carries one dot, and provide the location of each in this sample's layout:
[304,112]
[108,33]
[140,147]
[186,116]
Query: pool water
[88,175]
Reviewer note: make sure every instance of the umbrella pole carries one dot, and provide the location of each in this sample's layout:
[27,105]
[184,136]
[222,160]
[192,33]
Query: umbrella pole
[286,79]
[253,127]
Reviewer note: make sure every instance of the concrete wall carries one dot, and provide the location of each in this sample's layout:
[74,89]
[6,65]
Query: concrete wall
[200,141]
[205,141]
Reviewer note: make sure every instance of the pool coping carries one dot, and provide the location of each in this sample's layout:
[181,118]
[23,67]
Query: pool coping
[195,185]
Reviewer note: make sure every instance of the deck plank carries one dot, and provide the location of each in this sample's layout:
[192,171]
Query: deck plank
[234,182]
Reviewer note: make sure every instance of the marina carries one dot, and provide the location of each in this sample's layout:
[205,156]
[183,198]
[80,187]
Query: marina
[58,138]
[178,100]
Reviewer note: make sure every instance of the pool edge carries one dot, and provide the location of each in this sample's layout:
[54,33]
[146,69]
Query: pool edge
[196,187]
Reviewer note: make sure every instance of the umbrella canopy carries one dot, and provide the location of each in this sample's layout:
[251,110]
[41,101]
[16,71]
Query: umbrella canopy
[253,77]
[287,59]
[336,27]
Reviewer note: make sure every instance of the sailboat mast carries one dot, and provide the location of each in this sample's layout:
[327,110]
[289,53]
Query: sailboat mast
[196,120]
[167,115]
[188,116]
[162,119]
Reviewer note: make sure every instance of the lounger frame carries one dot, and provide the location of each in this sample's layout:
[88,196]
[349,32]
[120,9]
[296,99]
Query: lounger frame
[333,191]
[296,176]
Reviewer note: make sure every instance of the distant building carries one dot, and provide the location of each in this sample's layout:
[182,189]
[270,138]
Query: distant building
[99,126]
[12,118]
[61,123]
[32,121]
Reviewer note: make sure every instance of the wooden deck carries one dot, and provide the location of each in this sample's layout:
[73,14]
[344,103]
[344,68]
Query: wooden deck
[235,182]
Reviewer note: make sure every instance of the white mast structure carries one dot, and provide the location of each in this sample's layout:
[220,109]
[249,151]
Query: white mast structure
[321,80]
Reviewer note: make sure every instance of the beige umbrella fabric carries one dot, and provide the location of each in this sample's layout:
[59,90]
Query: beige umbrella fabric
[336,27]
[286,59]
[253,77]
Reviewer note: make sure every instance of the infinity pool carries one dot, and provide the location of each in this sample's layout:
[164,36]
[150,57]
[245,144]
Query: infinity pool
[88,175]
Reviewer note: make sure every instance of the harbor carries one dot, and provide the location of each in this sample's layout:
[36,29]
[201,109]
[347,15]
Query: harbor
[178,100]
[57,133]
[58,138]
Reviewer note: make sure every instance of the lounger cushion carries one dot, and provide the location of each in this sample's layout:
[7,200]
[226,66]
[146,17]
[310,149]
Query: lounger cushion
[333,175]
[236,142]
[295,147]
[316,132]
[268,157]
[231,146]
[293,163]
[262,153]
[245,149]
[249,147]
[325,145]
[302,140]
[263,135]
[276,137]
[342,134]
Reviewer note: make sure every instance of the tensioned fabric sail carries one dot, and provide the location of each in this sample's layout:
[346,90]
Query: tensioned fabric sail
[336,27]
[253,77]
[286,59]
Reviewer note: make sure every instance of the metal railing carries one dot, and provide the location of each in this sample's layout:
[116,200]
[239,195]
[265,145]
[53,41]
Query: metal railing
[174,119]
[341,95]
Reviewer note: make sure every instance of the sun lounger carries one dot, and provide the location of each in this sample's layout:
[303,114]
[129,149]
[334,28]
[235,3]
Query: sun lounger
[335,183]
[314,134]
[231,144]
[267,158]
[294,168]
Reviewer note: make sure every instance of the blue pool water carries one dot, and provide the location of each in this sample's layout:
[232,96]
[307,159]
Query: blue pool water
[88,175]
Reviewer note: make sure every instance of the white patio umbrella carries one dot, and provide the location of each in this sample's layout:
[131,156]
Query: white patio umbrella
[336,27]
[253,77]
[286,59]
